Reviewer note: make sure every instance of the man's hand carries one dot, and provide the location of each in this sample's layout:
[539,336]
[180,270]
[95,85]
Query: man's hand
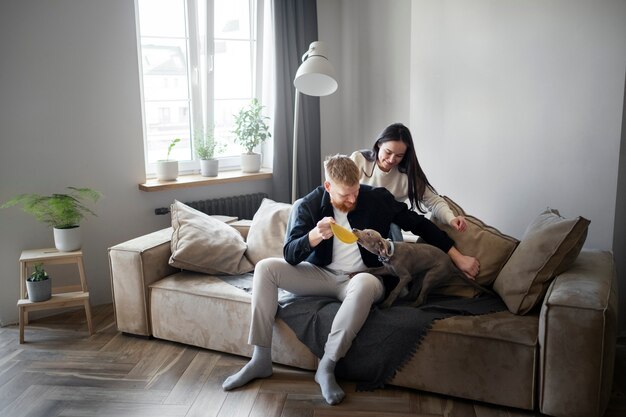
[467,264]
[321,231]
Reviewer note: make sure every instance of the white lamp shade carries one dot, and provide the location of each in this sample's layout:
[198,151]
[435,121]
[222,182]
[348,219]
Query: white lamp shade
[316,75]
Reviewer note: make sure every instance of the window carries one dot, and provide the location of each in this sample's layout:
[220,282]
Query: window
[200,62]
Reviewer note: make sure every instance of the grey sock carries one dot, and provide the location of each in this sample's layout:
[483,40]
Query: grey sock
[325,377]
[260,366]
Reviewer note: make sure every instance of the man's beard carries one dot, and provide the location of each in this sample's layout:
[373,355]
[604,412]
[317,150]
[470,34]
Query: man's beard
[343,207]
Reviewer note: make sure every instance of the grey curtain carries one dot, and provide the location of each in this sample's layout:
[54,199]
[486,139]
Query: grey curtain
[295,25]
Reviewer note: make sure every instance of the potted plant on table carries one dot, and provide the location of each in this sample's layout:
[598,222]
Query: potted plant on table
[166,169]
[205,147]
[38,285]
[63,212]
[250,131]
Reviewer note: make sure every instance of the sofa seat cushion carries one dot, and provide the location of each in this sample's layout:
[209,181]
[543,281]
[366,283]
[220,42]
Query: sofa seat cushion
[459,352]
[452,359]
[202,285]
[216,316]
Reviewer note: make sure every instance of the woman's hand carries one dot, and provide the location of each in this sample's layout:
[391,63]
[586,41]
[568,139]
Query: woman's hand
[459,223]
[321,231]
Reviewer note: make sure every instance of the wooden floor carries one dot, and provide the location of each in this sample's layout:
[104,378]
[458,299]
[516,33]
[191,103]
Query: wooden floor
[61,371]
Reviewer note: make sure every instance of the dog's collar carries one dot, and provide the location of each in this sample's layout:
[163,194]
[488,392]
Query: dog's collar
[386,259]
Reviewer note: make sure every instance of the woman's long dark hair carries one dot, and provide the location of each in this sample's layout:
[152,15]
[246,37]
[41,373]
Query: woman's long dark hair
[409,165]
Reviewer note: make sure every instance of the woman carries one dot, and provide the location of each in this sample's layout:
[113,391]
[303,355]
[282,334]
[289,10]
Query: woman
[392,163]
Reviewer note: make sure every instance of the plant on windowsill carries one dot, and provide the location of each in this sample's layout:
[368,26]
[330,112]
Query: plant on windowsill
[63,212]
[206,147]
[38,285]
[251,130]
[166,169]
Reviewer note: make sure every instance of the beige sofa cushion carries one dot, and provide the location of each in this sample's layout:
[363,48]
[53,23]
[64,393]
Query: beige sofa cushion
[216,315]
[549,246]
[203,244]
[267,232]
[491,247]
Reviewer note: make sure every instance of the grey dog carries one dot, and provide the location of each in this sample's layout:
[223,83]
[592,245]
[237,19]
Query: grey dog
[409,261]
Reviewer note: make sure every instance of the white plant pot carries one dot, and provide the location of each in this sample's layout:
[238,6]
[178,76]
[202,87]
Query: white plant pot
[166,170]
[68,240]
[250,162]
[209,167]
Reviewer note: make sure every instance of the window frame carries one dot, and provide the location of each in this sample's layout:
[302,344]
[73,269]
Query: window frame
[201,94]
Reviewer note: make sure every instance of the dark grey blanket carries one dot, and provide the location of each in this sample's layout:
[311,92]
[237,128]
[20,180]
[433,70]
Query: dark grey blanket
[389,337]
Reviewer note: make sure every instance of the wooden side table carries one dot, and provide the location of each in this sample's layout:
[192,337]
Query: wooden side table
[71,296]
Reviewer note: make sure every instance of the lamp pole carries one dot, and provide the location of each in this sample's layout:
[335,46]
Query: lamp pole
[294,162]
[315,77]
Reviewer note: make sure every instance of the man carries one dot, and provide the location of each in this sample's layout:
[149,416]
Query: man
[317,264]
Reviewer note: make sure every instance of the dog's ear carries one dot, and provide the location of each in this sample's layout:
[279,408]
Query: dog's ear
[382,248]
[387,248]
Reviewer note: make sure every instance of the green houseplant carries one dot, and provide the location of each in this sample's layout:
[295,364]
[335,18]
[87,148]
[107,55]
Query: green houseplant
[38,285]
[167,169]
[62,212]
[205,148]
[251,130]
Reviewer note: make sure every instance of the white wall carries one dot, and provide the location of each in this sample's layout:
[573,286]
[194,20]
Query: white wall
[520,107]
[70,115]
[369,44]
[514,105]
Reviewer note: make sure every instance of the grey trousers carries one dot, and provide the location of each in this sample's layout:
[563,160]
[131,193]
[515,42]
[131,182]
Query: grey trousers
[357,295]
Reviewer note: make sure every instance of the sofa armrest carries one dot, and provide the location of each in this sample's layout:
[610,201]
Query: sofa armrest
[577,337]
[134,266]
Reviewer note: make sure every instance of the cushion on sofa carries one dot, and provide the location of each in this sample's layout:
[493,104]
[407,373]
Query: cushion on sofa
[549,246]
[203,244]
[491,247]
[267,231]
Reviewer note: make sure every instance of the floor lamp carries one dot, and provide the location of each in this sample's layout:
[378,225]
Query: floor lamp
[315,77]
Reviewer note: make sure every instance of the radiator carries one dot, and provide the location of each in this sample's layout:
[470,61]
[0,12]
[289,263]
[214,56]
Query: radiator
[242,206]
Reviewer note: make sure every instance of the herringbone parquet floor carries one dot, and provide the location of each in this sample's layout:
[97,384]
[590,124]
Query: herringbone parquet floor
[61,371]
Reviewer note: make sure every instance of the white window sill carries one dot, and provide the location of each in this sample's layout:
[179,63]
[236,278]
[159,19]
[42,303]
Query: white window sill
[196,180]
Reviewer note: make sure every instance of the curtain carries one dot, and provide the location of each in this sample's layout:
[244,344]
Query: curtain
[295,27]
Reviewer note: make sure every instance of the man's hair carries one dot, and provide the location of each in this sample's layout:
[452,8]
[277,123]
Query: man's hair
[341,169]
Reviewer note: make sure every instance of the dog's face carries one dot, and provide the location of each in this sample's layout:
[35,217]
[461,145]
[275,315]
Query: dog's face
[372,241]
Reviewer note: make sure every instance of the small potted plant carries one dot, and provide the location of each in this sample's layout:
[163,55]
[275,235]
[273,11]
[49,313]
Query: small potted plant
[166,169]
[250,131]
[38,285]
[205,147]
[63,212]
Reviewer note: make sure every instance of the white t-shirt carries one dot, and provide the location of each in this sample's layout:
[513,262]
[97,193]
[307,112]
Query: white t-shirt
[346,257]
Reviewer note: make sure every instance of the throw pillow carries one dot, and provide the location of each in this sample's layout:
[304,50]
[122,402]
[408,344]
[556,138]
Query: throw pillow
[202,243]
[549,246]
[491,247]
[267,231]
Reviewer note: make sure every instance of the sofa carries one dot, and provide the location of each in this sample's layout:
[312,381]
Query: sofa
[551,350]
